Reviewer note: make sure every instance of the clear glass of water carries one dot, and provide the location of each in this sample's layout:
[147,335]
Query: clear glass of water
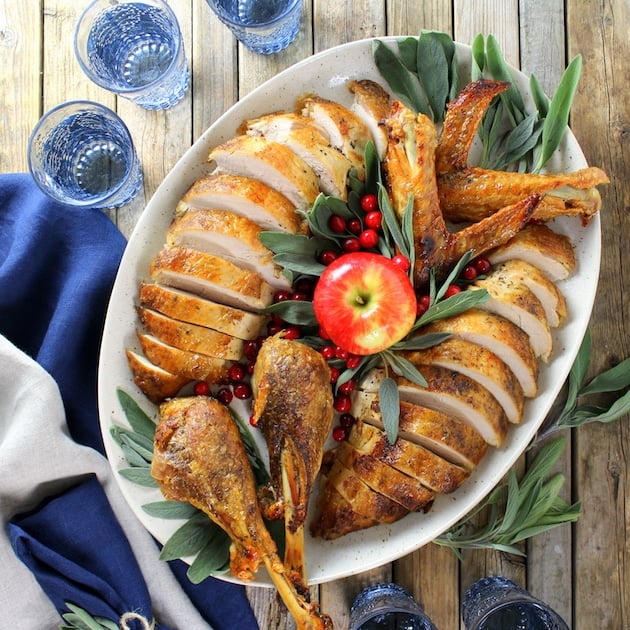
[263,26]
[387,607]
[135,49]
[496,603]
[81,153]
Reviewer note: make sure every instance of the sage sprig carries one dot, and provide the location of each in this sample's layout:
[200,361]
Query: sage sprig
[576,411]
[80,619]
[516,510]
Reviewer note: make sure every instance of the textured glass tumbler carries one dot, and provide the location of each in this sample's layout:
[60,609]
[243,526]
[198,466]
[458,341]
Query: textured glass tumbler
[134,49]
[387,607]
[81,153]
[496,603]
[263,26]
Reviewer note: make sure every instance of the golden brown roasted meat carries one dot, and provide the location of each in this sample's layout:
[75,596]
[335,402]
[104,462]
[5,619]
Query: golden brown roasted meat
[199,457]
[469,194]
[410,170]
[293,408]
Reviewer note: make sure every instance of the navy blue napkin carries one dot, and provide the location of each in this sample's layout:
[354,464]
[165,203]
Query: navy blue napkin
[57,267]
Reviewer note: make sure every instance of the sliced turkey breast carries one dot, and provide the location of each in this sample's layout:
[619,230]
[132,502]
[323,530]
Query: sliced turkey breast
[190,336]
[514,301]
[245,196]
[539,245]
[363,499]
[501,337]
[197,310]
[230,236]
[450,438]
[478,363]
[429,469]
[372,105]
[306,140]
[385,479]
[191,365]
[345,129]
[212,277]
[270,162]
[453,394]
[156,383]
[334,514]
[539,284]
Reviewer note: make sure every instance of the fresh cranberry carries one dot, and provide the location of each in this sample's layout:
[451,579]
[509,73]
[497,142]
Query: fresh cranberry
[201,388]
[351,244]
[337,224]
[292,332]
[348,386]
[469,272]
[353,361]
[342,403]
[401,261]
[304,285]
[250,349]
[242,391]
[482,265]
[225,395]
[369,202]
[368,238]
[339,434]
[341,353]
[453,289]
[237,373]
[328,256]
[298,296]
[374,220]
[281,296]
[346,420]
[355,226]
[328,352]
[335,372]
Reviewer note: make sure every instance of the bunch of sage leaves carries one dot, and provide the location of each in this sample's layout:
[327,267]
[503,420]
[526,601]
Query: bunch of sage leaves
[423,73]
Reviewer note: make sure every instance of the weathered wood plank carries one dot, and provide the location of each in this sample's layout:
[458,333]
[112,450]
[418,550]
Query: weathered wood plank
[21,40]
[601,122]
[410,18]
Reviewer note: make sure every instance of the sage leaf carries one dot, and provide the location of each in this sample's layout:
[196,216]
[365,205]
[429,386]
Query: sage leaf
[389,401]
[170,509]
[403,367]
[453,305]
[557,118]
[408,52]
[188,539]
[612,380]
[80,619]
[299,263]
[212,559]
[299,312]
[137,418]
[140,476]
[478,57]
[433,71]
[541,100]
[404,84]
[421,342]
[390,221]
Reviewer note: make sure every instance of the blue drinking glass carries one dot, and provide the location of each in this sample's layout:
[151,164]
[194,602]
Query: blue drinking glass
[81,153]
[263,26]
[387,607]
[134,49]
[496,603]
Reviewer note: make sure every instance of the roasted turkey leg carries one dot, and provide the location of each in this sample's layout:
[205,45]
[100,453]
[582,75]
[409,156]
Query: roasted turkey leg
[199,457]
[293,408]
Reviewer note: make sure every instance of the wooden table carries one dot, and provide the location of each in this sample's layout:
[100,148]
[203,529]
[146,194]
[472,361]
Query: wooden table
[583,570]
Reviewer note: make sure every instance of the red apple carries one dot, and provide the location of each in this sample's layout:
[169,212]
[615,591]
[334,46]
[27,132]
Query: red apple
[364,302]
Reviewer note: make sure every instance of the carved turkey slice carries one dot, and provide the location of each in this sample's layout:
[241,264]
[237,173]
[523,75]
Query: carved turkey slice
[453,394]
[272,163]
[306,140]
[245,196]
[230,236]
[514,301]
[452,439]
[501,337]
[190,336]
[372,105]
[540,246]
[211,277]
[538,283]
[385,479]
[197,310]
[429,469]
[156,383]
[345,130]
[194,366]
[478,363]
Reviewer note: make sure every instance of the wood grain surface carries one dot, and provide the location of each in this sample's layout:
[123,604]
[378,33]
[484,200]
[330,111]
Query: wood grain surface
[582,570]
